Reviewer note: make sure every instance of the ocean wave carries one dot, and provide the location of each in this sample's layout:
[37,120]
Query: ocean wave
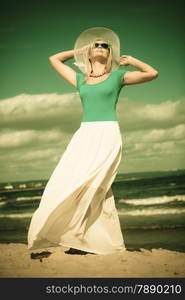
[154,227]
[2,198]
[24,215]
[153,200]
[131,179]
[28,198]
[137,212]
[151,212]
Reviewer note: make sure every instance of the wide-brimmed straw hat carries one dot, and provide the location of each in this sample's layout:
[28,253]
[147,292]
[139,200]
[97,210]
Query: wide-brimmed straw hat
[85,39]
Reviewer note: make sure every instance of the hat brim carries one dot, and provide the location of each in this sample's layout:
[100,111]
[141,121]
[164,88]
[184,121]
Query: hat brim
[86,38]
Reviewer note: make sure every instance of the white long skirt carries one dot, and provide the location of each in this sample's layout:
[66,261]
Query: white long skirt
[77,208]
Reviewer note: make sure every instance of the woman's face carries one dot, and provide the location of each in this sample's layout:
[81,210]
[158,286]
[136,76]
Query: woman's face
[99,51]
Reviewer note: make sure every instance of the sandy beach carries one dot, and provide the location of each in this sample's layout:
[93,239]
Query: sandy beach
[15,261]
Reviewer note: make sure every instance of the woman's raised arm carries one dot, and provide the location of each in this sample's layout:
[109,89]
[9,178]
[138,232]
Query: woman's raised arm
[57,62]
[147,72]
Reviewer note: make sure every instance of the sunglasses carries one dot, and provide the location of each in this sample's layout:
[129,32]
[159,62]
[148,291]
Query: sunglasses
[103,45]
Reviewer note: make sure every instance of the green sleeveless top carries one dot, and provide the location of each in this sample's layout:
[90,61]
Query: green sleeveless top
[99,100]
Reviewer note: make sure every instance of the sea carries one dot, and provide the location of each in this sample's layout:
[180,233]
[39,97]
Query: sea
[150,205]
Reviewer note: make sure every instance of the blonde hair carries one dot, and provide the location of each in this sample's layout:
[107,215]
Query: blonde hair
[88,66]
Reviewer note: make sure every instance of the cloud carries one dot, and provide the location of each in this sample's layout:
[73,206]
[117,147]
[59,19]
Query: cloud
[40,111]
[140,116]
[160,135]
[28,137]
[36,129]
[46,111]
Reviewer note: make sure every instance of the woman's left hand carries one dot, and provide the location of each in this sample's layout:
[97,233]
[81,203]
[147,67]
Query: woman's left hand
[125,60]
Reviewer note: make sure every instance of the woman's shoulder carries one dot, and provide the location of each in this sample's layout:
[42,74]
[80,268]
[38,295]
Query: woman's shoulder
[119,74]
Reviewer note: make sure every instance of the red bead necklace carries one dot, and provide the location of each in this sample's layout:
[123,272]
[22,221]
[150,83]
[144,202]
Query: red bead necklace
[105,72]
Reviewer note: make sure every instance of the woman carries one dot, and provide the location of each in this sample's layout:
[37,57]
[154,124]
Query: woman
[77,208]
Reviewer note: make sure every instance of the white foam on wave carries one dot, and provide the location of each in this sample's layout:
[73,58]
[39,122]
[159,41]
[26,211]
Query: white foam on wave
[151,212]
[2,198]
[137,212]
[28,198]
[153,200]
[28,215]
[131,178]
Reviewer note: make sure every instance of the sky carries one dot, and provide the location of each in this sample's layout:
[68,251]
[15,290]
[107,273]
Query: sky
[40,111]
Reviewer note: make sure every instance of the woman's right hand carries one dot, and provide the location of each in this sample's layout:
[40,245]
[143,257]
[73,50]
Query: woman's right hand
[82,49]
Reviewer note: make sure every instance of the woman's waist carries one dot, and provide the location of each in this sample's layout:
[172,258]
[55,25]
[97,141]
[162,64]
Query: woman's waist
[102,123]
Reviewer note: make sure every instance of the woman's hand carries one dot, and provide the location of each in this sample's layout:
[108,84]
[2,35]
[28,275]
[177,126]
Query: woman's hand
[126,60]
[83,49]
